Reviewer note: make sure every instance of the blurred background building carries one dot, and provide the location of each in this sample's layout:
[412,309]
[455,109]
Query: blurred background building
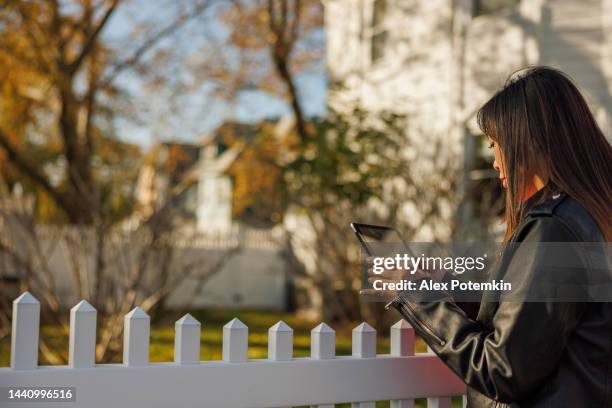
[438,61]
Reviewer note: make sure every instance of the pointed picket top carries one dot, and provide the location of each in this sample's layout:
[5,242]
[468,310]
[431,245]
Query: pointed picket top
[401,324]
[280,342]
[322,342]
[364,341]
[83,307]
[82,341]
[136,332]
[188,320]
[137,313]
[364,328]
[24,333]
[187,340]
[235,341]
[26,298]
[280,326]
[402,339]
[322,328]
[235,324]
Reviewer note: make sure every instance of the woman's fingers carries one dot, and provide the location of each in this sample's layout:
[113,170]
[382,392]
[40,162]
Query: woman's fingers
[381,280]
[387,277]
[397,275]
[389,274]
[381,293]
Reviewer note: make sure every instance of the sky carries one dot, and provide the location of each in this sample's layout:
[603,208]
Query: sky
[199,111]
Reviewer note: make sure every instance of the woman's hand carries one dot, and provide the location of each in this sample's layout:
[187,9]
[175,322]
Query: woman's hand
[387,277]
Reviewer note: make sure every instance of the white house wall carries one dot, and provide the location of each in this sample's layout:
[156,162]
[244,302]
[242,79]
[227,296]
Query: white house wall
[255,275]
[439,75]
[214,210]
[252,278]
[573,36]
[415,77]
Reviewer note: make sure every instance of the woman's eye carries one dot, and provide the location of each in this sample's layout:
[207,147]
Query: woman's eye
[491,145]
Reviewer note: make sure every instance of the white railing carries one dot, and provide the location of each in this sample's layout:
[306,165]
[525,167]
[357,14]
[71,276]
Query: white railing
[279,381]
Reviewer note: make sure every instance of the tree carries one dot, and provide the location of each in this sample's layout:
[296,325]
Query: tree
[59,84]
[269,44]
[349,166]
[60,95]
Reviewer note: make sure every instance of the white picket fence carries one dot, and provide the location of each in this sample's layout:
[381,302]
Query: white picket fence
[278,381]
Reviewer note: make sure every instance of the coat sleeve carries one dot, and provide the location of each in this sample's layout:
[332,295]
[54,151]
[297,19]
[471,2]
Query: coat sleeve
[512,357]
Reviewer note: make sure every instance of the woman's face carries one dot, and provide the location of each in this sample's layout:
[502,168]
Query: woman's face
[498,162]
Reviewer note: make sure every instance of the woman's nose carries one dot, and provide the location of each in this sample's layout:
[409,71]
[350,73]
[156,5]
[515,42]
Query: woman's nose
[495,165]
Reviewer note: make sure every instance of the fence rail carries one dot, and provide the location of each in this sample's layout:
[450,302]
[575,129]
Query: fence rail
[235,381]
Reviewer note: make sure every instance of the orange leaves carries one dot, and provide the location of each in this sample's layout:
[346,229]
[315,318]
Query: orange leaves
[257,180]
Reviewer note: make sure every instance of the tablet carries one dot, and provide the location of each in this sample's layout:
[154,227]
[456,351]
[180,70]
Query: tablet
[369,235]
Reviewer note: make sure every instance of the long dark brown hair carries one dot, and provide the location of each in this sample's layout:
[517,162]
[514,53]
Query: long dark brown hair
[543,126]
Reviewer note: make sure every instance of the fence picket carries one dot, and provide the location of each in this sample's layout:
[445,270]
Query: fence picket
[402,344]
[364,341]
[402,403]
[24,335]
[136,328]
[322,347]
[322,342]
[235,341]
[280,342]
[82,343]
[364,346]
[187,340]
[437,402]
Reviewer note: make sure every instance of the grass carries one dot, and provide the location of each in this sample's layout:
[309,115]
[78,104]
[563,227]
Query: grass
[258,322]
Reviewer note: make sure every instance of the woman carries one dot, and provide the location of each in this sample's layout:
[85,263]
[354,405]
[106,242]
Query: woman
[556,167]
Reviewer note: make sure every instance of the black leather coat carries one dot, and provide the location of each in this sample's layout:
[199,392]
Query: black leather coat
[527,354]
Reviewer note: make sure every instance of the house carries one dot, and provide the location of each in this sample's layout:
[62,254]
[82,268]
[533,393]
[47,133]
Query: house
[199,179]
[192,177]
[437,61]
[196,181]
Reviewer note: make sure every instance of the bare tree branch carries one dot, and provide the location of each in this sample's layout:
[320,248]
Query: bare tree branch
[90,41]
[29,170]
[151,42]
[281,47]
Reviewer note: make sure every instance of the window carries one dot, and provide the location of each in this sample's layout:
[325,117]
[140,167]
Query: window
[481,7]
[379,41]
[379,32]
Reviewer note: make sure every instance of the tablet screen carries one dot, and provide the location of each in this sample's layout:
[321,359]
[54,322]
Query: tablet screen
[376,234]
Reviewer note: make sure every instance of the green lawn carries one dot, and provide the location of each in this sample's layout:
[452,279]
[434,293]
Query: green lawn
[258,322]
